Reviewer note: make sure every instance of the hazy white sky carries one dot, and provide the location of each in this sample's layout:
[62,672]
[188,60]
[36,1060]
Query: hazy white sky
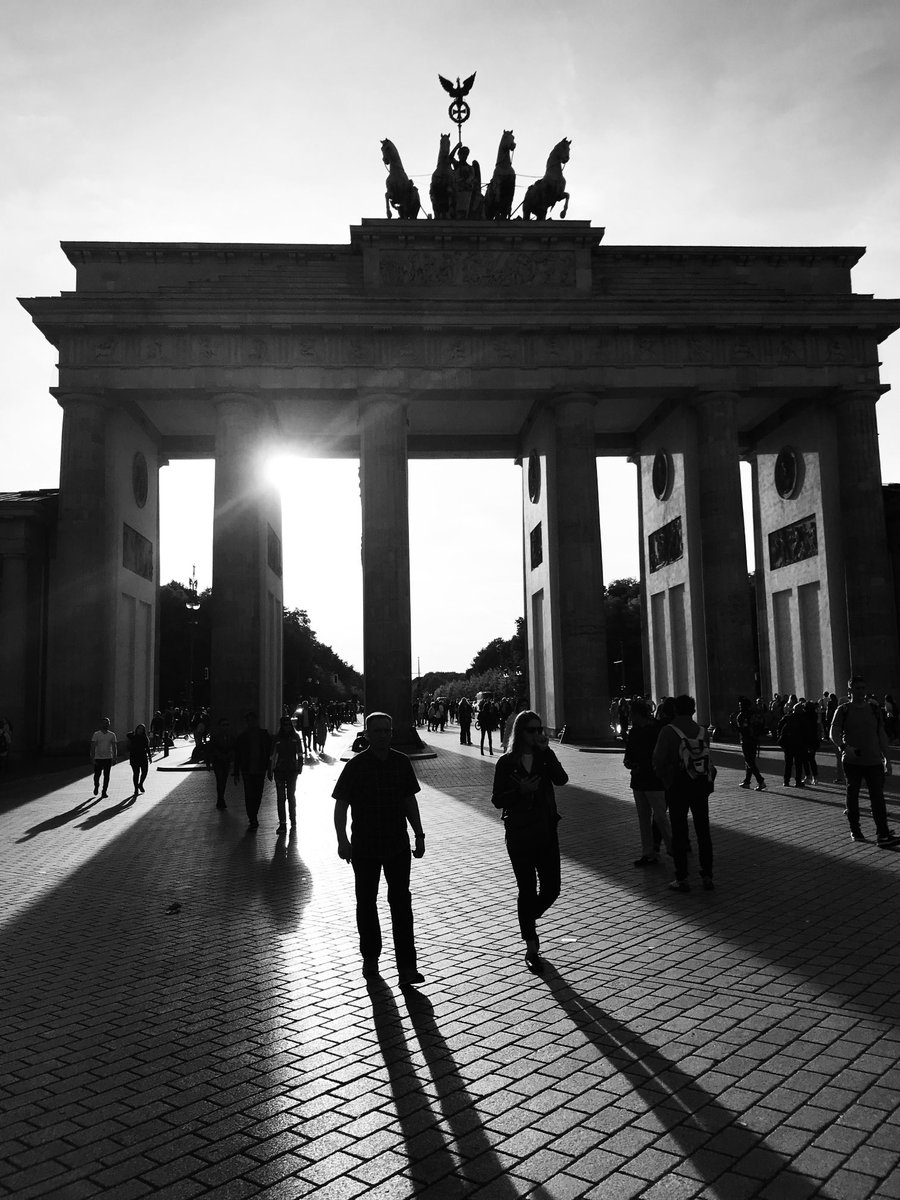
[692,122]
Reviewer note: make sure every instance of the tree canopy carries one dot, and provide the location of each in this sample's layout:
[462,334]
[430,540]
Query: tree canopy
[311,668]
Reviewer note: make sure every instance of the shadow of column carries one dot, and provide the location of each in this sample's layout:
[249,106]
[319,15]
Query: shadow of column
[681,1103]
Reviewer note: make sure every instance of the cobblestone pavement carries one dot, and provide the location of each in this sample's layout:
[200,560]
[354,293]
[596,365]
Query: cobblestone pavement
[184,1013]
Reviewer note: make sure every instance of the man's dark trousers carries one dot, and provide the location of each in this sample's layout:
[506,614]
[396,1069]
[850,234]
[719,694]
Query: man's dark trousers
[874,777]
[253,791]
[750,750]
[220,770]
[367,873]
[465,733]
[102,766]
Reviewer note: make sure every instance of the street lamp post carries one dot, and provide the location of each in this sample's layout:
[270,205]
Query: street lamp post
[192,604]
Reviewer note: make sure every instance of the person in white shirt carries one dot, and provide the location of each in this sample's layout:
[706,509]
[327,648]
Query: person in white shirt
[103,755]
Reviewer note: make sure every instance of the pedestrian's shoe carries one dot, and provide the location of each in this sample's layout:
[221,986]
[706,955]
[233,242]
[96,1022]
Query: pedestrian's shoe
[679,885]
[410,976]
[745,784]
[708,885]
[887,838]
[96,790]
[533,960]
[281,829]
[104,795]
[370,967]
[253,825]
[646,860]
[856,835]
[761,787]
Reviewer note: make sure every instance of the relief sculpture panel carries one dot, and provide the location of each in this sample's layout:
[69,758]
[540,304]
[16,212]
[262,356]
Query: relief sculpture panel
[666,545]
[793,543]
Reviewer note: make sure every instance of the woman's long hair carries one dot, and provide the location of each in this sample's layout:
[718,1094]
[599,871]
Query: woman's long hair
[522,719]
[286,730]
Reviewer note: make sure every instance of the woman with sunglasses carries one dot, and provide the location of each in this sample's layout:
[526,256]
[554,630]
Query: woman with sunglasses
[523,789]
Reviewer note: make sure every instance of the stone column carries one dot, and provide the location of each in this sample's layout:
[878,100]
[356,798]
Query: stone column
[16,648]
[241,674]
[729,640]
[81,634]
[582,621]
[868,576]
[387,632]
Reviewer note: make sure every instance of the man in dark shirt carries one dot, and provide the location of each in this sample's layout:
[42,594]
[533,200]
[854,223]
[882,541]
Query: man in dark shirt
[379,788]
[252,751]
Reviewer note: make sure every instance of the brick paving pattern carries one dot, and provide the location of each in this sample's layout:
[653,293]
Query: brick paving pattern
[184,1013]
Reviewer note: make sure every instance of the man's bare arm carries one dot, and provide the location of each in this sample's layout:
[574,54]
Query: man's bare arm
[341,808]
[415,820]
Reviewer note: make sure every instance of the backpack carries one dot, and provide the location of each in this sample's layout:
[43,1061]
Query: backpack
[695,760]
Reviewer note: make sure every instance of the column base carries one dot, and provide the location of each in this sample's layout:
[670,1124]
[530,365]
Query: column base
[406,739]
[591,738]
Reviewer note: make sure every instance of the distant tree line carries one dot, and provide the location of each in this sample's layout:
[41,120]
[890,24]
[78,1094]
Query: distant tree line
[313,669]
[185,652]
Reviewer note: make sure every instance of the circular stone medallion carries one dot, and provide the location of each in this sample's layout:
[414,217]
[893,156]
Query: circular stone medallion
[139,479]
[787,473]
[663,475]
[534,476]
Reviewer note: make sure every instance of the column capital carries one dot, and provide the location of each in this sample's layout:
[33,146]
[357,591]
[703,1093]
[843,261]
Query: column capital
[842,397]
[68,398]
[237,399]
[367,401]
[563,403]
[705,400]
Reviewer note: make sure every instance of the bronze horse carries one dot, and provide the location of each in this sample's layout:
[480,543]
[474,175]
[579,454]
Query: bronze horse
[548,191]
[498,198]
[402,194]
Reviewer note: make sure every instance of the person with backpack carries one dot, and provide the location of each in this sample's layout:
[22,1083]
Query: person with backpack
[285,765]
[859,735]
[682,761]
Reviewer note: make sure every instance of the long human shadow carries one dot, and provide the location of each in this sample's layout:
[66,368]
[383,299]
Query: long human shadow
[768,878]
[427,1150]
[459,1109]
[57,822]
[108,814]
[27,782]
[676,1099]
[283,882]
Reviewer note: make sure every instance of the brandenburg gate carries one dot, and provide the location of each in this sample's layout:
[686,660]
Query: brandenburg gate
[526,340]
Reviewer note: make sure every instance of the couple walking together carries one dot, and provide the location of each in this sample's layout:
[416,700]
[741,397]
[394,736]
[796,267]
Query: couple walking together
[379,787]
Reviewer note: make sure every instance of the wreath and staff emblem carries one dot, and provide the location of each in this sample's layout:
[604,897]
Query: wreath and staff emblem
[459,110]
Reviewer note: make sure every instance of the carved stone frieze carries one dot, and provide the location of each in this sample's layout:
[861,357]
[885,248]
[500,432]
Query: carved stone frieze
[438,346]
